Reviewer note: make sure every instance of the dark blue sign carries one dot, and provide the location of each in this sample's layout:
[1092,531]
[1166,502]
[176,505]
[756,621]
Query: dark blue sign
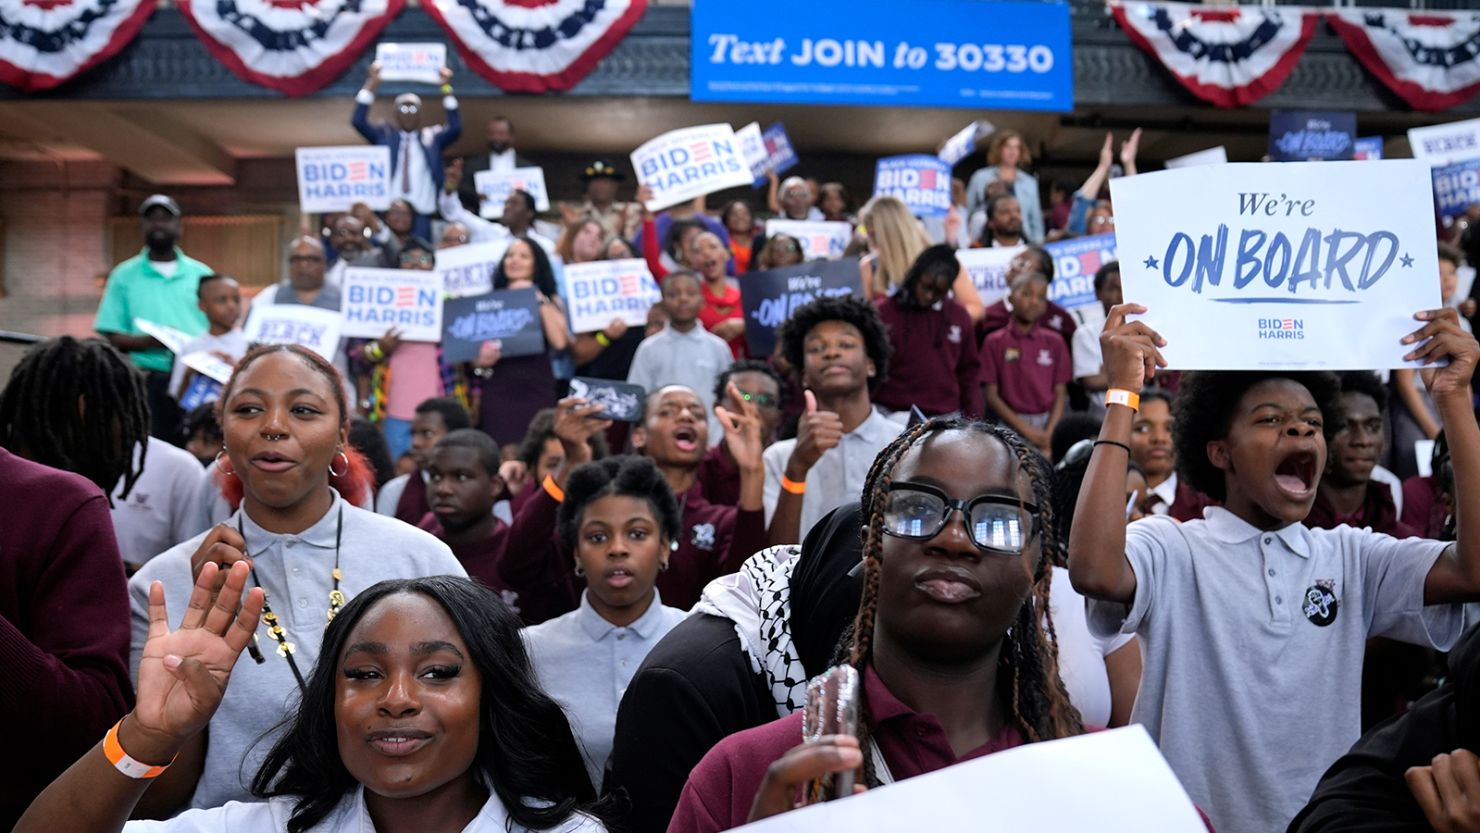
[1456,187]
[780,157]
[927,53]
[769,298]
[1367,147]
[1303,136]
[509,316]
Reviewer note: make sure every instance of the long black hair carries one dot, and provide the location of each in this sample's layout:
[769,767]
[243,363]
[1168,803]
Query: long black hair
[78,406]
[544,273]
[526,752]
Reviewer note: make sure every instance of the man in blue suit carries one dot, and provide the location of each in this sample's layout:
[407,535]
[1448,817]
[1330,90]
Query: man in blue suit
[416,151]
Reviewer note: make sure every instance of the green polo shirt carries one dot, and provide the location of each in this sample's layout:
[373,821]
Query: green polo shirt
[137,290]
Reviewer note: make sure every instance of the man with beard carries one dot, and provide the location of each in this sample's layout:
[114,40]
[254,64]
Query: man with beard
[157,285]
[501,157]
[351,246]
[1004,222]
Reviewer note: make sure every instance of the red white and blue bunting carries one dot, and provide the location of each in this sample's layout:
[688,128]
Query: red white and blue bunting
[1431,60]
[44,43]
[292,46]
[535,46]
[1228,56]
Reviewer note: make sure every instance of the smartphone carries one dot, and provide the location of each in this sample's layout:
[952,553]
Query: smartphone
[619,401]
[832,709]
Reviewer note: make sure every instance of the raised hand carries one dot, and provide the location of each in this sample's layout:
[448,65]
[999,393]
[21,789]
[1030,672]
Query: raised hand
[644,196]
[372,82]
[1128,152]
[223,547]
[515,474]
[799,767]
[742,430]
[1443,338]
[1107,151]
[616,329]
[575,423]
[183,673]
[817,431]
[390,341]
[1131,349]
[445,73]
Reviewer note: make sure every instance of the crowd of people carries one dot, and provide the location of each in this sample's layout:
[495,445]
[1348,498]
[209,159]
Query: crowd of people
[376,589]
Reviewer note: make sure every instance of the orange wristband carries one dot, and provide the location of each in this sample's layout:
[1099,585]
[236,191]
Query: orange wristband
[792,486]
[1121,396]
[553,489]
[126,765]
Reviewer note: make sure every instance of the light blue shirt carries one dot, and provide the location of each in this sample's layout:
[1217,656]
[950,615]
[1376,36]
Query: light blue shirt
[586,662]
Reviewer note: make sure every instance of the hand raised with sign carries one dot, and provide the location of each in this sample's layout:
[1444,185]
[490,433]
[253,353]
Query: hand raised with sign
[644,196]
[575,424]
[389,342]
[1443,338]
[1130,348]
[445,73]
[372,82]
[616,329]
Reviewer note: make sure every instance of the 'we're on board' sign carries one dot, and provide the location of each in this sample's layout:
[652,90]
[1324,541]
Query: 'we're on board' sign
[1304,265]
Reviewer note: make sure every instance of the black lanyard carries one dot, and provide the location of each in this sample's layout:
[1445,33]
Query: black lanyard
[269,618]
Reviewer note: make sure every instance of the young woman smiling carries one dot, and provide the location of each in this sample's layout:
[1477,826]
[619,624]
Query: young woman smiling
[285,422]
[427,720]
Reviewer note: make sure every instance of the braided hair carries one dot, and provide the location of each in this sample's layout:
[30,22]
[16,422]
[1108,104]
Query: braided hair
[1038,704]
[78,406]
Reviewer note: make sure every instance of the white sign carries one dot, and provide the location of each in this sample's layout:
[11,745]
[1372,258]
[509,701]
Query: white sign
[173,340]
[753,148]
[963,144]
[378,300]
[208,364]
[494,187]
[826,239]
[1211,156]
[596,293]
[1109,782]
[682,164]
[988,270]
[1301,265]
[421,62]
[468,270]
[1445,144]
[335,178]
[311,327]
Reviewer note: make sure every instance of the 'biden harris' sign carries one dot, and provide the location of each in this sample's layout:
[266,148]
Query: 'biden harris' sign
[1305,265]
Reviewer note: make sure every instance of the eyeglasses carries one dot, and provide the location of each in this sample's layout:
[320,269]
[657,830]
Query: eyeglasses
[419,259]
[761,400]
[408,108]
[1102,221]
[998,523]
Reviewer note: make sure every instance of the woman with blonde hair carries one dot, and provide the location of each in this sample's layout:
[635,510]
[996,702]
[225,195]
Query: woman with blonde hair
[895,239]
[1007,157]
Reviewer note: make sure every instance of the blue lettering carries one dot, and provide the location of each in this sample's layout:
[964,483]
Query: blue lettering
[1249,242]
[1178,240]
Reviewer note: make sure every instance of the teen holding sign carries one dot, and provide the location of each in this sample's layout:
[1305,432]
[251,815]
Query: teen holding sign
[1250,607]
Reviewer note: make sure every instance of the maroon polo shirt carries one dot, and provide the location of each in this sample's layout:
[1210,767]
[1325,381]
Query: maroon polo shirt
[1025,366]
[713,541]
[719,477]
[1424,507]
[413,505]
[1055,318]
[1377,511]
[936,364]
[721,788]
[481,558]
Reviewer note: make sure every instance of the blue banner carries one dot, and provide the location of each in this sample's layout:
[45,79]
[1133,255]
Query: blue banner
[1075,262]
[1367,147]
[1456,186]
[780,157]
[1305,136]
[769,298]
[508,316]
[920,181]
[927,53]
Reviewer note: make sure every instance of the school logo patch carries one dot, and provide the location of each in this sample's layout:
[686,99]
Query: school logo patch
[703,536]
[954,334]
[1321,603]
[1045,357]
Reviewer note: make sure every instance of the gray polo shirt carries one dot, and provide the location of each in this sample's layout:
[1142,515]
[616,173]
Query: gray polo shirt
[1252,644]
[160,512]
[840,472]
[693,359]
[295,572]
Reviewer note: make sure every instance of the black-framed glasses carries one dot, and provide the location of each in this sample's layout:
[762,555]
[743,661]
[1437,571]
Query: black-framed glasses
[761,400]
[998,523]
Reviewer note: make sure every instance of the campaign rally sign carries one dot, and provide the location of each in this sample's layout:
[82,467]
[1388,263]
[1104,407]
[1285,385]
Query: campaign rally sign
[311,327]
[753,148]
[826,239]
[468,270]
[377,300]
[928,53]
[173,340]
[963,144]
[1302,265]
[494,188]
[1075,262]
[335,178]
[596,293]
[1367,147]
[420,62]
[1297,135]
[988,270]
[209,365]
[780,155]
[509,316]
[769,298]
[682,164]
[1456,187]
[1211,156]
[921,181]
[1445,144]
[211,373]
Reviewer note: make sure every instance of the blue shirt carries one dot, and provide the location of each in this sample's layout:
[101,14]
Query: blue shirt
[586,663]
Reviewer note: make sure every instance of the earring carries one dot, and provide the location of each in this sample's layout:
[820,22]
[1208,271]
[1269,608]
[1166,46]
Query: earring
[332,472]
[672,547]
[663,566]
[580,571]
[221,461]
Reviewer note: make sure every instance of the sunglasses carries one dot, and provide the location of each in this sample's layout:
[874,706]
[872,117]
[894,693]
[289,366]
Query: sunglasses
[409,108]
[996,523]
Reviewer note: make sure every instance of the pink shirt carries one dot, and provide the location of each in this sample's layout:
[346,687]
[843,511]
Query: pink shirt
[415,378]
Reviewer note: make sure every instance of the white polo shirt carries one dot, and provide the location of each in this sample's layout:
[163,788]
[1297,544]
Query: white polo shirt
[1252,644]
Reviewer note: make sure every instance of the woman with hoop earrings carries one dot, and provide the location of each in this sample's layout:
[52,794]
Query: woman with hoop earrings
[288,462]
